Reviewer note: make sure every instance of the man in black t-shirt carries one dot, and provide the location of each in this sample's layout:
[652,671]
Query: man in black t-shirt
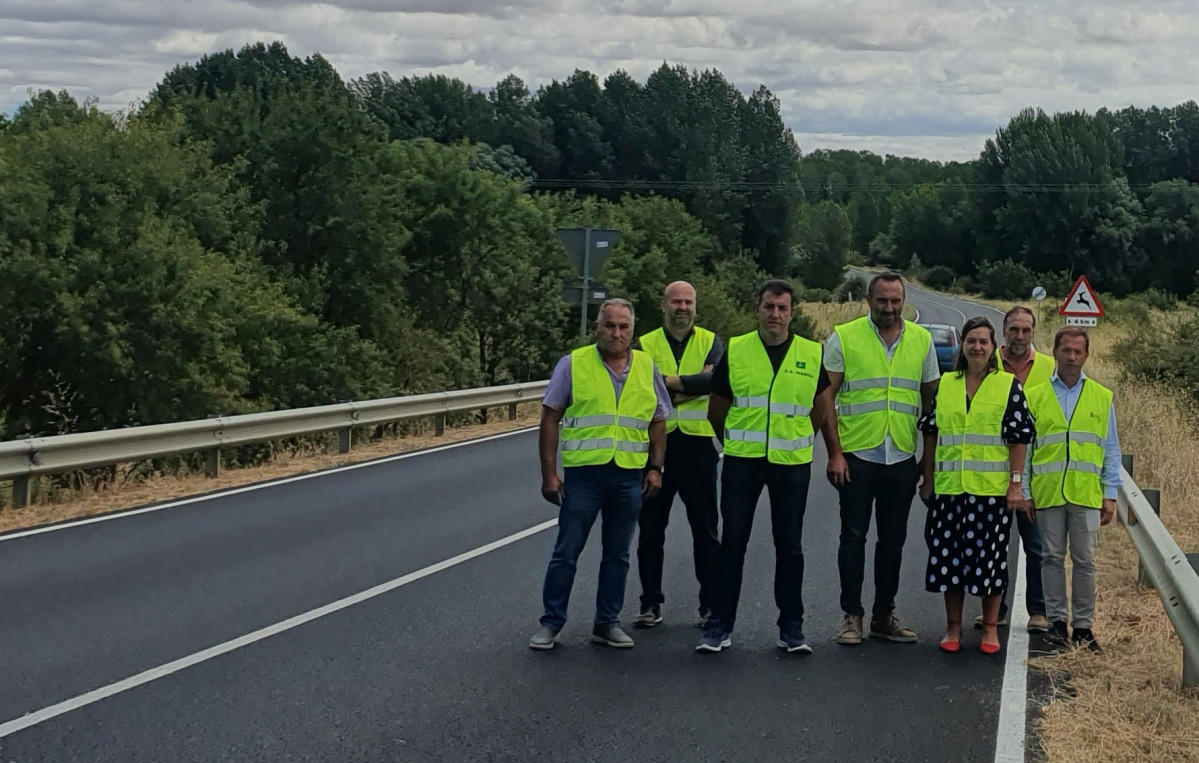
[768,400]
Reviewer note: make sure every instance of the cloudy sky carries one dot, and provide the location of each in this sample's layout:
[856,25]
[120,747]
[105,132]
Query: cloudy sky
[930,78]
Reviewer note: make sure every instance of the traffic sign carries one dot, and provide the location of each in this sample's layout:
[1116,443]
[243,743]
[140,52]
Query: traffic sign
[577,241]
[1082,302]
[1081,320]
[1038,293]
[596,293]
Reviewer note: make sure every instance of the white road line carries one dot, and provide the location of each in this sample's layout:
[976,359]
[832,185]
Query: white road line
[1009,739]
[258,486]
[153,674]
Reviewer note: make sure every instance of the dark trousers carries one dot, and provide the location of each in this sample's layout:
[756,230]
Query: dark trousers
[1030,538]
[741,483]
[887,492]
[588,492]
[691,474]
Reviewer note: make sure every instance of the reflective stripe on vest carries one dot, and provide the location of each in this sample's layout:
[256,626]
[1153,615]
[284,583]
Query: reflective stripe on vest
[691,416]
[971,456]
[596,428]
[879,397]
[770,415]
[1067,457]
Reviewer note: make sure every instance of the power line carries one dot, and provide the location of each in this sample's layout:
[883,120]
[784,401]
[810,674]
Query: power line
[724,185]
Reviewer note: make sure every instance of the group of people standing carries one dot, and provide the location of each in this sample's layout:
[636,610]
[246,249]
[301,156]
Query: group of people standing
[637,421]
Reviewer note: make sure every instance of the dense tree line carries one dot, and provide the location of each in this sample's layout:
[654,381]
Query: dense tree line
[1111,194]
[258,235]
[262,234]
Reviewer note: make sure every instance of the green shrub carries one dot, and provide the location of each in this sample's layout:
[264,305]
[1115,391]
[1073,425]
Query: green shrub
[1159,299]
[852,289]
[817,295]
[1005,279]
[938,277]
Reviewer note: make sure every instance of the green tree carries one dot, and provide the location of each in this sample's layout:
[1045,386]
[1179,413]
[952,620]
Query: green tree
[141,300]
[824,235]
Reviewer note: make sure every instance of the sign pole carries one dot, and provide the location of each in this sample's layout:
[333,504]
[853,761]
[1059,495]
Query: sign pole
[586,285]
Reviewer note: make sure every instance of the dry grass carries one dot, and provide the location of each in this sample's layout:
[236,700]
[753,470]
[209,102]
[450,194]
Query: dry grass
[829,314]
[1127,705]
[72,504]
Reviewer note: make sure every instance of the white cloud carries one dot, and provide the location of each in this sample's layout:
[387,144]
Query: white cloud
[930,77]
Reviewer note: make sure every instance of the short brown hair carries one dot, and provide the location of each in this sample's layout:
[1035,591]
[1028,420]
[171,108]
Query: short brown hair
[1016,311]
[889,277]
[778,287]
[1072,331]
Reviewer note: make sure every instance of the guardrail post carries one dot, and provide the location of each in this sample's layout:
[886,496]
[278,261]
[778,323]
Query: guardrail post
[22,491]
[439,425]
[511,411]
[1127,459]
[344,438]
[213,466]
[483,413]
[1154,497]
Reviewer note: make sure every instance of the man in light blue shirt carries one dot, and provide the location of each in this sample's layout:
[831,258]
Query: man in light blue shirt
[1069,525]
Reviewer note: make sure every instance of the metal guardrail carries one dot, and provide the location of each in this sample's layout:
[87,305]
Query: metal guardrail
[1167,569]
[21,460]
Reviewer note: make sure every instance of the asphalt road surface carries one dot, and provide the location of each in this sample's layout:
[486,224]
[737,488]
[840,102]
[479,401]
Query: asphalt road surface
[435,666]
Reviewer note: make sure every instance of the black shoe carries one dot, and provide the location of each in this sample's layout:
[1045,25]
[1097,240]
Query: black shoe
[648,617]
[1058,634]
[1083,637]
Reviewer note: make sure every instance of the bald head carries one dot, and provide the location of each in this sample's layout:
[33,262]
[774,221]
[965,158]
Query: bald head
[678,308]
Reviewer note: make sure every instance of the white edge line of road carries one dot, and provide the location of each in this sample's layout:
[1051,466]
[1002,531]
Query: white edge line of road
[153,674]
[1013,702]
[258,486]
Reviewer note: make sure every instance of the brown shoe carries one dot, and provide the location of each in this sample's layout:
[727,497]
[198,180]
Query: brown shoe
[851,630]
[892,629]
[1038,624]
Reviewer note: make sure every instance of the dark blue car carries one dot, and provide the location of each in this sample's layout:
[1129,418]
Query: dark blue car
[945,339]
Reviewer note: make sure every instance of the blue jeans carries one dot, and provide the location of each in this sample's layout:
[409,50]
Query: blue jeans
[1030,538]
[588,492]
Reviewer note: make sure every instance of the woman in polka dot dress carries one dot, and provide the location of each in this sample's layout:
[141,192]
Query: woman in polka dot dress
[975,438]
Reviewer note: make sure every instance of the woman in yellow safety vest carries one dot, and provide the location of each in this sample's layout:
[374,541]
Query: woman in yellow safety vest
[975,438]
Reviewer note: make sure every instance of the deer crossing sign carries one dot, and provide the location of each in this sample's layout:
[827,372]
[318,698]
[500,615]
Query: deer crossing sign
[1082,307]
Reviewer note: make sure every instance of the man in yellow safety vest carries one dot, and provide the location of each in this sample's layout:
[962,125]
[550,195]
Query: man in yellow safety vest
[766,405]
[611,405]
[685,354]
[1075,478]
[884,368]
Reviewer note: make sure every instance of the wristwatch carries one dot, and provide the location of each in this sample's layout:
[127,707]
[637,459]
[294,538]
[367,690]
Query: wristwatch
[1017,478]
[654,468]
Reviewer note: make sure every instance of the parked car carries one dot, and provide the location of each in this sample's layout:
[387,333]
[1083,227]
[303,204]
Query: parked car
[947,342]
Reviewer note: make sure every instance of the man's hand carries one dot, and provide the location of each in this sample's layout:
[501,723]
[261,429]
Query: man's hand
[1108,511]
[551,489]
[651,483]
[837,470]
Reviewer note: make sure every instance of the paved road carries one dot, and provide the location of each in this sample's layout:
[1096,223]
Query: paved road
[437,669]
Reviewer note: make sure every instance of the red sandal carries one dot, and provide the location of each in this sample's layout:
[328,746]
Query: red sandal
[986,648]
[948,645]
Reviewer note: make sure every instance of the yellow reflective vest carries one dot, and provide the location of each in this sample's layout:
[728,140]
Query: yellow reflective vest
[596,428]
[1042,367]
[971,455]
[770,415]
[691,416]
[880,397]
[1067,457]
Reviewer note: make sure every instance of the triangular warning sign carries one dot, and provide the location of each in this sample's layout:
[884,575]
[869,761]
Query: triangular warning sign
[1082,300]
